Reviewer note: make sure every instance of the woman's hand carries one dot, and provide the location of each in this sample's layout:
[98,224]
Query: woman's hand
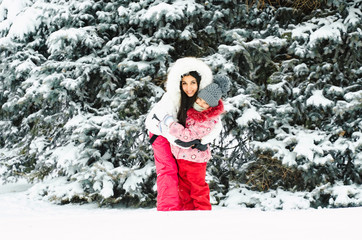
[193,144]
[187,144]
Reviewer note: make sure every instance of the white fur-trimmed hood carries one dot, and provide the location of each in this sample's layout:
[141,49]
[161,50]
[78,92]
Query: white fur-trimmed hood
[182,66]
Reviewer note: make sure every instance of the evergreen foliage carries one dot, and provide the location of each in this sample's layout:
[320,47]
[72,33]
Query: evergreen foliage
[77,79]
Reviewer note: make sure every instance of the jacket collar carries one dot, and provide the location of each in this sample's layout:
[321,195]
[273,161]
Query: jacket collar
[206,114]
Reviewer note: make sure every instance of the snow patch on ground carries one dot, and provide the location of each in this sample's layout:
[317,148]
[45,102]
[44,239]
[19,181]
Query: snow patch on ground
[23,217]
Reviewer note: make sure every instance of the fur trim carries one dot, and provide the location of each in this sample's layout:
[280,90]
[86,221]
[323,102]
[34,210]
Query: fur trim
[206,114]
[182,66]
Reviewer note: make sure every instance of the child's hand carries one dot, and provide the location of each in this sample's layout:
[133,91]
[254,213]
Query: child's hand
[167,120]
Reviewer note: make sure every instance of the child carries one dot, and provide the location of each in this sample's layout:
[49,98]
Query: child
[201,119]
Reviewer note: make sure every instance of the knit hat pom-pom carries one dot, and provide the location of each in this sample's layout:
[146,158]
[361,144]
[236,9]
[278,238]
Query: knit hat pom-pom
[223,82]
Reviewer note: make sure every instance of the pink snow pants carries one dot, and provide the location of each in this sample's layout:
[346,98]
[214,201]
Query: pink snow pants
[167,179]
[193,189]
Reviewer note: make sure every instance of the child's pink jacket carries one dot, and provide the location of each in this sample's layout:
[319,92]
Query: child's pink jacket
[198,124]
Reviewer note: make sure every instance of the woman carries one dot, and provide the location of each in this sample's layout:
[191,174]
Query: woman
[194,191]
[186,77]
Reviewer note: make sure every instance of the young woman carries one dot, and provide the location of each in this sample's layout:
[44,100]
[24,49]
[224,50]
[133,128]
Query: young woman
[186,77]
[201,119]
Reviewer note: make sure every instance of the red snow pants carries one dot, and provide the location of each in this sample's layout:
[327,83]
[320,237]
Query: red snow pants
[193,189]
[167,179]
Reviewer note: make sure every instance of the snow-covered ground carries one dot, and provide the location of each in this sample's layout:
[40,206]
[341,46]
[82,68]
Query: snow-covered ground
[22,217]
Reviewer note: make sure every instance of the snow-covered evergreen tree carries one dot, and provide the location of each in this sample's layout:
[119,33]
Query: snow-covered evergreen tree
[77,79]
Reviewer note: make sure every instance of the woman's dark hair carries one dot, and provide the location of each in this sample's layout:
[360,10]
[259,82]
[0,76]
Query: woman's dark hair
[186,101]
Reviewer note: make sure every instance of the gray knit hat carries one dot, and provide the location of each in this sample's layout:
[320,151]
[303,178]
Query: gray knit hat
[212,93]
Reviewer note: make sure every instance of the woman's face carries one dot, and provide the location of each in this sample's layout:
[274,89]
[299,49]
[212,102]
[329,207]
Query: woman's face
[189,85]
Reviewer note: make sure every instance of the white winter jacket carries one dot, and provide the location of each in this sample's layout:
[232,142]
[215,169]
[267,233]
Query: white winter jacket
[170,101]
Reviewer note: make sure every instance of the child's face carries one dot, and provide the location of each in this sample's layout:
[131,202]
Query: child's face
[202,103]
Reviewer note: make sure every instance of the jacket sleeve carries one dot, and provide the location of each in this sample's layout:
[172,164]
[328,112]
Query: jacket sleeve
[215,133]
[196,131]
